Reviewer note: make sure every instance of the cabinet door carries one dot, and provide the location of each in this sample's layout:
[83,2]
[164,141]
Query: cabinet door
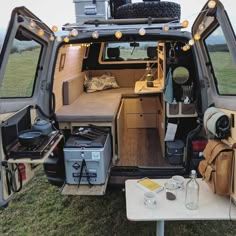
[141,121]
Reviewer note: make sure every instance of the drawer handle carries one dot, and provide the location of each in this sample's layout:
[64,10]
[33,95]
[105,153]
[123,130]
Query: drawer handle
[141,115]
[141,99]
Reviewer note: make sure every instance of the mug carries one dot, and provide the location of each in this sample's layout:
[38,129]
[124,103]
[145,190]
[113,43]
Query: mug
[150,200]
[179,181]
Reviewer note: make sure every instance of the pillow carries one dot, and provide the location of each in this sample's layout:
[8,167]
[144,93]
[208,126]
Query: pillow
[103,82]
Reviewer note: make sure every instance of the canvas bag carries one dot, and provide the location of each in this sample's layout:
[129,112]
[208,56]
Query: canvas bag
[216,169]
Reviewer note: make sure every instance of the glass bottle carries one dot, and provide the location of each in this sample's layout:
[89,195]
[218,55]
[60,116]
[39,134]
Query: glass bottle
[192,192]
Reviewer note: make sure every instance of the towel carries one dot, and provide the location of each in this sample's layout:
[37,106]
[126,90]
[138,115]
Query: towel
[168,90]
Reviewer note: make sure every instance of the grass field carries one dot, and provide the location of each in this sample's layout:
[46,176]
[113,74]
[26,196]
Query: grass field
[40,210]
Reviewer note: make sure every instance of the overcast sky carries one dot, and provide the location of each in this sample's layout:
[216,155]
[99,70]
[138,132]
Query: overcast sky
[59,12]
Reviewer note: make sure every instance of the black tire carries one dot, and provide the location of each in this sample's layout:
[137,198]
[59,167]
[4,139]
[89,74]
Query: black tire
[149,9]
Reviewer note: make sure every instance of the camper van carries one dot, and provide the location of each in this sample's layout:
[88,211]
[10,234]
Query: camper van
[114,99]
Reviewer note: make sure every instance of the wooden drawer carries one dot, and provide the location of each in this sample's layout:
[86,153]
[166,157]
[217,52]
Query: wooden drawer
[141,120]
[141,105]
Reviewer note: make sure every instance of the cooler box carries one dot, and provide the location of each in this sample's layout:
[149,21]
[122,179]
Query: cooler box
[95,153]
[175,152]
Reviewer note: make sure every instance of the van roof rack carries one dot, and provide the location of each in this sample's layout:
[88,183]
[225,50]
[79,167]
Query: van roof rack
[116,24]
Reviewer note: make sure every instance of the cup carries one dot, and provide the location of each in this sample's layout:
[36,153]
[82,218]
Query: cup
[179,181]
[171,189]
[150,200]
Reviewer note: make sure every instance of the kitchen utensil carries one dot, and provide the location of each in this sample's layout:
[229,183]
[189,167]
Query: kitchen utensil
[43,125]
[29,138]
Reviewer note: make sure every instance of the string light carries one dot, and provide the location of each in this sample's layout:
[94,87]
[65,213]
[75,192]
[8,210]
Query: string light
[142,31]
[32,25]
[211,4]
[51,38]
[165,28]
[74,32]
[191,42]
[118,34]
[95,35]
[66,40]
[54,28]
[197,36]
[40,32]
[185,23]
[202,26]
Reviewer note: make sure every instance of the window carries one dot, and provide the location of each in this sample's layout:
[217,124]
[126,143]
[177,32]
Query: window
[222,63]
[133,52]
[21,67]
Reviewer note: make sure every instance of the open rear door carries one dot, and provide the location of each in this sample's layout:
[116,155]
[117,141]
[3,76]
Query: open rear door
[217,49]
[24,82]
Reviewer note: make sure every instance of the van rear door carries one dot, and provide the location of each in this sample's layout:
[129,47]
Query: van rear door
[216,49]
[24,82]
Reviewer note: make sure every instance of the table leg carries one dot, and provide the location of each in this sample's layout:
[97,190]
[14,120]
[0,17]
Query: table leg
[160,228]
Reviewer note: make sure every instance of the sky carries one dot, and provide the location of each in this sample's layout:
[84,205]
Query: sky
[59,12]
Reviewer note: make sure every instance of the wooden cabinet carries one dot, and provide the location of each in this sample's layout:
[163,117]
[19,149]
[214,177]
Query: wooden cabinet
[141,112]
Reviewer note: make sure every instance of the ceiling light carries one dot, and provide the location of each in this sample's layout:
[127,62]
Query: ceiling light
[59,39]
[32,25]
[51,38]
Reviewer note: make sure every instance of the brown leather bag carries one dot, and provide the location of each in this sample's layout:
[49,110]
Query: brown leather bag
[216,169]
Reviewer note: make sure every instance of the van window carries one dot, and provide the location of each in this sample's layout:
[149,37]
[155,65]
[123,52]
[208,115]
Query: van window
[21,67]
[224,68]
[133,52]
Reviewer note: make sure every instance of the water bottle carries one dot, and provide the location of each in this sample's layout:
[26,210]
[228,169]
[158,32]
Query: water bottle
[192,192]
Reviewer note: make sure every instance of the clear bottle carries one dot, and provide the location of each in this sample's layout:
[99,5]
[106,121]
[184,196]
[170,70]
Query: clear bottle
[192,192]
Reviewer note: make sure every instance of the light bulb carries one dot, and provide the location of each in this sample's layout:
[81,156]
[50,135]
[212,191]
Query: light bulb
[118,34]
[165,28]
[197,36]
[185,23]
[74,32]
[201,26]
[191,42]
[142,31]
[95,35]
[59,39]
[40,32]
[32,25]
[51,38]
[211,4]
[187,46]
[54,28]
[66,40]
[184,48]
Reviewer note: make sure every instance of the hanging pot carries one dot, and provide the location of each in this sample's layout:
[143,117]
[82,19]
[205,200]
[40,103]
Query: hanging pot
[44,126]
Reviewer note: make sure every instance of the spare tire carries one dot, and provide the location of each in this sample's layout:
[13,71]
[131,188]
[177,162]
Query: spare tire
[152,9]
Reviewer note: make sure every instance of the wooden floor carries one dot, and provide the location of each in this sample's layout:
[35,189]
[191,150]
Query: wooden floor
[141,147]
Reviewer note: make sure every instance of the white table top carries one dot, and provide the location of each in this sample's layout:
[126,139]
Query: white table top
[211,206]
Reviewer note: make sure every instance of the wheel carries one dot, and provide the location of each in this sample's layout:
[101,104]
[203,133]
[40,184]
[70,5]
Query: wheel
[152,9]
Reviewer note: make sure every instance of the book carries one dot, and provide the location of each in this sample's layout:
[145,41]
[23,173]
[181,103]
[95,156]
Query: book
[147,184]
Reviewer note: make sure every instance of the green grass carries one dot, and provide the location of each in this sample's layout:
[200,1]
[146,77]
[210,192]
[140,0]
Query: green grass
[225,72]
[40,210]
[20,74]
